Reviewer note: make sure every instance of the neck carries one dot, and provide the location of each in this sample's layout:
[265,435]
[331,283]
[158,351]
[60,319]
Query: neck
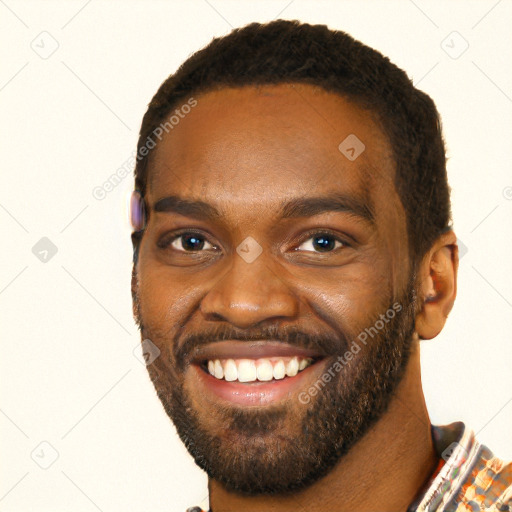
[383,471]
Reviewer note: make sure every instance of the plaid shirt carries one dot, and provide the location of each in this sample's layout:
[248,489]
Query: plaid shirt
[468,478]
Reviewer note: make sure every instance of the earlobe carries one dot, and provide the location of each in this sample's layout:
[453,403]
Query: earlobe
[438,285]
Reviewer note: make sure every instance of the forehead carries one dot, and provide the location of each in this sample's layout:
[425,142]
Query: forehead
[249,148]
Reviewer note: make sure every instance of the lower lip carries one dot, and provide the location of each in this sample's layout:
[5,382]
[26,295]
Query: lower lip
[257,392]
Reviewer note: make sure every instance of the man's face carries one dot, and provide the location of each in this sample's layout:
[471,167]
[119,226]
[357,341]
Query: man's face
[271,278]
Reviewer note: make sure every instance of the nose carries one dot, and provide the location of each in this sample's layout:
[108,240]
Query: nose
[249,293]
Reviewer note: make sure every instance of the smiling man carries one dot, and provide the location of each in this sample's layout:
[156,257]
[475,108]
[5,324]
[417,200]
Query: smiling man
[292,245]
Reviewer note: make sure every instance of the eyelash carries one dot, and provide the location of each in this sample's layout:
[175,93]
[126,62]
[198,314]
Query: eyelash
[314,233]
[168,240]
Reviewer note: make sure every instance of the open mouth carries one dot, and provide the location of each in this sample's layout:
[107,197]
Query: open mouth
[254,373]
[256,370]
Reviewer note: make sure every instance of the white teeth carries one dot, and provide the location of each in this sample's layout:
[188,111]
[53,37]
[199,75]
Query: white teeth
[246,370]
[264,370]
[292,368]
[230,370]
[279,370]
[218,371]
[250,370]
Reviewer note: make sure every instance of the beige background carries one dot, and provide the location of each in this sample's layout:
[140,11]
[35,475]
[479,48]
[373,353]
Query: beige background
[70,119]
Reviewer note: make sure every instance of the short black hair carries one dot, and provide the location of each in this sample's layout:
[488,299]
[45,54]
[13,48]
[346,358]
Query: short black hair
[288,51]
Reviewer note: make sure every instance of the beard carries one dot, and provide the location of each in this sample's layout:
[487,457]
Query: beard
[280,449]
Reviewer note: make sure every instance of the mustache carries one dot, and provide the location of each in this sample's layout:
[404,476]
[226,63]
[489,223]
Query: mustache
[326,343]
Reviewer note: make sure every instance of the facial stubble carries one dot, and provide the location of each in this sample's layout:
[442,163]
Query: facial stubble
[279,449]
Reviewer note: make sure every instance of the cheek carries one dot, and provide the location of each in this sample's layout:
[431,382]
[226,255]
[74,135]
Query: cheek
[350,296]
[164,297]
[167,293]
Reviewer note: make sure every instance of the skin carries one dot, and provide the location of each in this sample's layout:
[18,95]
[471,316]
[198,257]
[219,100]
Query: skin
[290,141]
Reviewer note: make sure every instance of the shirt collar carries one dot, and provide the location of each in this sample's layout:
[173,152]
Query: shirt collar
[455,444]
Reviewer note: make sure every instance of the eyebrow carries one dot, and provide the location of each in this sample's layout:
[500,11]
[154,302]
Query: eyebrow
[309,206]
[299,207]
[189,208]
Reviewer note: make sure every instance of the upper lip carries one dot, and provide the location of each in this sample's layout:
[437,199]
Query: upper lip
[234,349]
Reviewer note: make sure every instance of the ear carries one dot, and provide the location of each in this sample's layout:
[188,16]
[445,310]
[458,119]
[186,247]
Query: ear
[437,285]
